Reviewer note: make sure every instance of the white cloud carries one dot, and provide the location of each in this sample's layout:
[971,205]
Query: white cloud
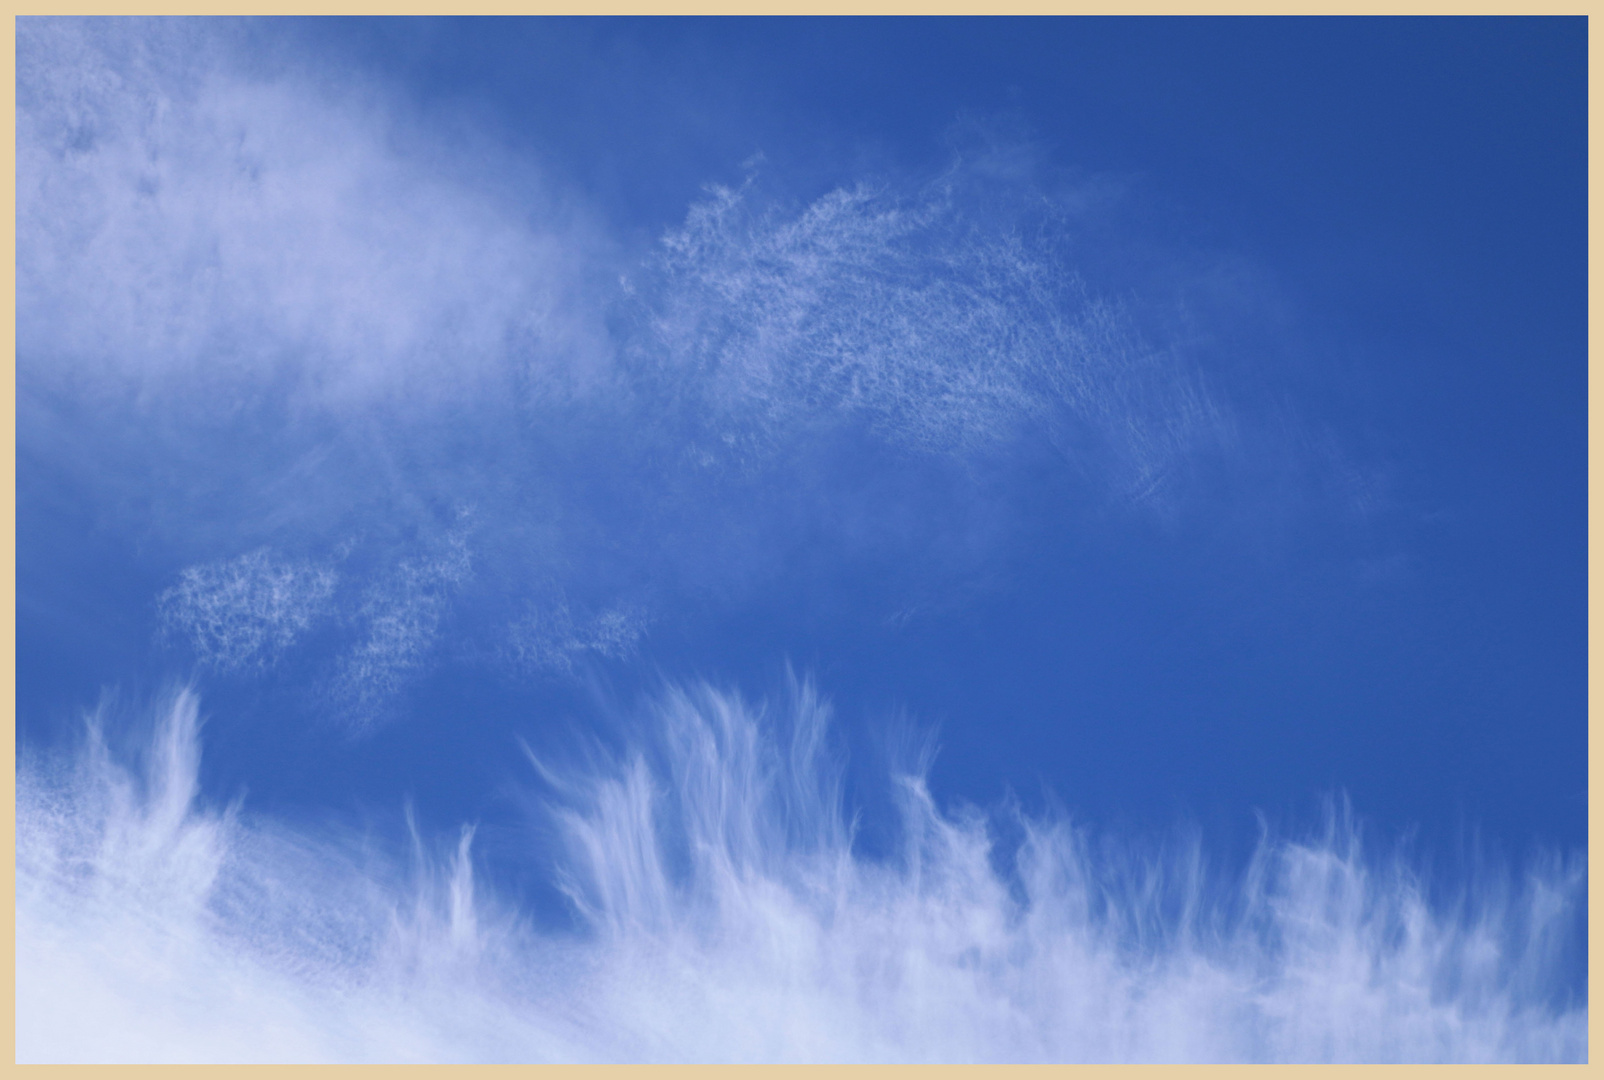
[727,916]
[244,615]
[949,318]
[550,638]
[189,229]
[400,619]
[245,612]
[280,307]
[195,239]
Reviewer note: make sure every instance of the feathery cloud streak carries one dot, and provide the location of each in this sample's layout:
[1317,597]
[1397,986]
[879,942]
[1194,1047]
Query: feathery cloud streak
[724,914]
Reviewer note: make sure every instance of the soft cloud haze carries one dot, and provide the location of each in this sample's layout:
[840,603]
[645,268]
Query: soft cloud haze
[336,339]
[190,230]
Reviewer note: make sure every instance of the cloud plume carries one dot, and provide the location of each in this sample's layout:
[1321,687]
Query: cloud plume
[722,911]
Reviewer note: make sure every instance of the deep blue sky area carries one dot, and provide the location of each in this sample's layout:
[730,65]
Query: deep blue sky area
[1369,236]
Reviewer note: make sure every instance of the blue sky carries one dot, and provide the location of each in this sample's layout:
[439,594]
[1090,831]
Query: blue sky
[1163,433]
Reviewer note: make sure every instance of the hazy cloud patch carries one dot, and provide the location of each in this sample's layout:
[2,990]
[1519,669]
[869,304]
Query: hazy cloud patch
[399,620]
[551,638]
[244,613]
[186,224]
[949,318]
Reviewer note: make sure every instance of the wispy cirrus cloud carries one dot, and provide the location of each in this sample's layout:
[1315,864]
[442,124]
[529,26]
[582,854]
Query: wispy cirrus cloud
[244,613]
[552,638]
[292,312]
[725,913]
[267,309]
[187,226]
[948,317]
[224,223]
[399,620]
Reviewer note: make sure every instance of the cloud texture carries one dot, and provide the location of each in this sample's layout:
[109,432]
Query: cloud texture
[299,322]
[246,611]
[371,398]
[723,912]
[948,317]
[185,225]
